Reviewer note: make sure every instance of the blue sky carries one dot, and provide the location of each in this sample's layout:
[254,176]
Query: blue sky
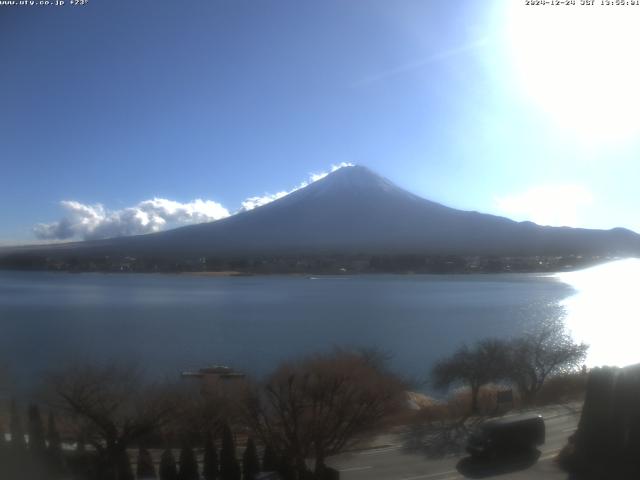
[476,104]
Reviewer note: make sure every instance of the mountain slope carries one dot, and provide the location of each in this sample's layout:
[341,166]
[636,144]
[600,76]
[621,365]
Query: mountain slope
[353,210]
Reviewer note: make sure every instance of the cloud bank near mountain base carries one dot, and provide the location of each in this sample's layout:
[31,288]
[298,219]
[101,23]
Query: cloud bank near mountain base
[92,222]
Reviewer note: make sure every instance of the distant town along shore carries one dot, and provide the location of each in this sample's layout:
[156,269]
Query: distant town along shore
[332,264]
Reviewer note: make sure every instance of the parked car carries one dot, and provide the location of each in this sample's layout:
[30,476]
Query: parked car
[507,435]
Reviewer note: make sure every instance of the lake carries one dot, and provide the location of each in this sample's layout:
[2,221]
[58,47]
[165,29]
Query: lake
[170,323]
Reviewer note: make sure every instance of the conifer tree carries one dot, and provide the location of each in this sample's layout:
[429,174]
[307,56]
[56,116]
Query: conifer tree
[83,465]
[168,470]
[145,469]
[17,433]
[269,460]
[229,468]
[188,464]
[210,468]
[285,469]
[37,445]
[250,462]
[54,447]
[4,455]
[125,472]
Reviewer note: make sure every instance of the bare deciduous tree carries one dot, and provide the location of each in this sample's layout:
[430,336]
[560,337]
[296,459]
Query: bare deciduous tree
[201,413]
[485,362]
[546,351]
[112,407]
[322,405]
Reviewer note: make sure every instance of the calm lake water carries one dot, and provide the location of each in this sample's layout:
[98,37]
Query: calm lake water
[169,323]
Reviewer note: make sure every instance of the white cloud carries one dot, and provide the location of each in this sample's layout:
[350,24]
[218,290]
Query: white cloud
[258,201]
[94,221]
[254,202]
[90,222]
[556,205]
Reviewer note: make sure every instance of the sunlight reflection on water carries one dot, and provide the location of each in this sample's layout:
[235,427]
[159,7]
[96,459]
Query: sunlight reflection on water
[605,311]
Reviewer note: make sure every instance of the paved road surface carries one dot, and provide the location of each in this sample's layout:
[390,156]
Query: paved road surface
[393,460]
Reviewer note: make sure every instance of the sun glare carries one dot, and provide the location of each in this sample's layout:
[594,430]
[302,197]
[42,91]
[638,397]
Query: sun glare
[580,65]
[605,311]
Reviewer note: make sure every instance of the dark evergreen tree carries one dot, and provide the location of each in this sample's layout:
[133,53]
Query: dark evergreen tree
[285,469]
[250,462]
[210,468]
[37,445]
[124,470]
[17,433]
[145,469]
[34,465]
[168,470]
[269,460]
[83,465]
[229,467]
[4,456]
[54,448]
[188,464]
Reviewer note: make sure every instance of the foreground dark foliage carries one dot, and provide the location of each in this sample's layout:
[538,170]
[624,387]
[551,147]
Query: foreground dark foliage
[229,467]
[168,469]
[145,469]
[188,464]
[320,406]
[107,416]
[210,470]
[250,462]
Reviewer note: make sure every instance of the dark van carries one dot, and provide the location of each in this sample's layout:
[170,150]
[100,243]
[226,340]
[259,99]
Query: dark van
[507,435]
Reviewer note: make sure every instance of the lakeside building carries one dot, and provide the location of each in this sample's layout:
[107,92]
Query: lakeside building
[215,378]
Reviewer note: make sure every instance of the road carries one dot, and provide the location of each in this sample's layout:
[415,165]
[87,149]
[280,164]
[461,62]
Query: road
[394,459]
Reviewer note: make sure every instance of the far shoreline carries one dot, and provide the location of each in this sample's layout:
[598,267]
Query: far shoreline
[235,274]
[320,266]
[223,273]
